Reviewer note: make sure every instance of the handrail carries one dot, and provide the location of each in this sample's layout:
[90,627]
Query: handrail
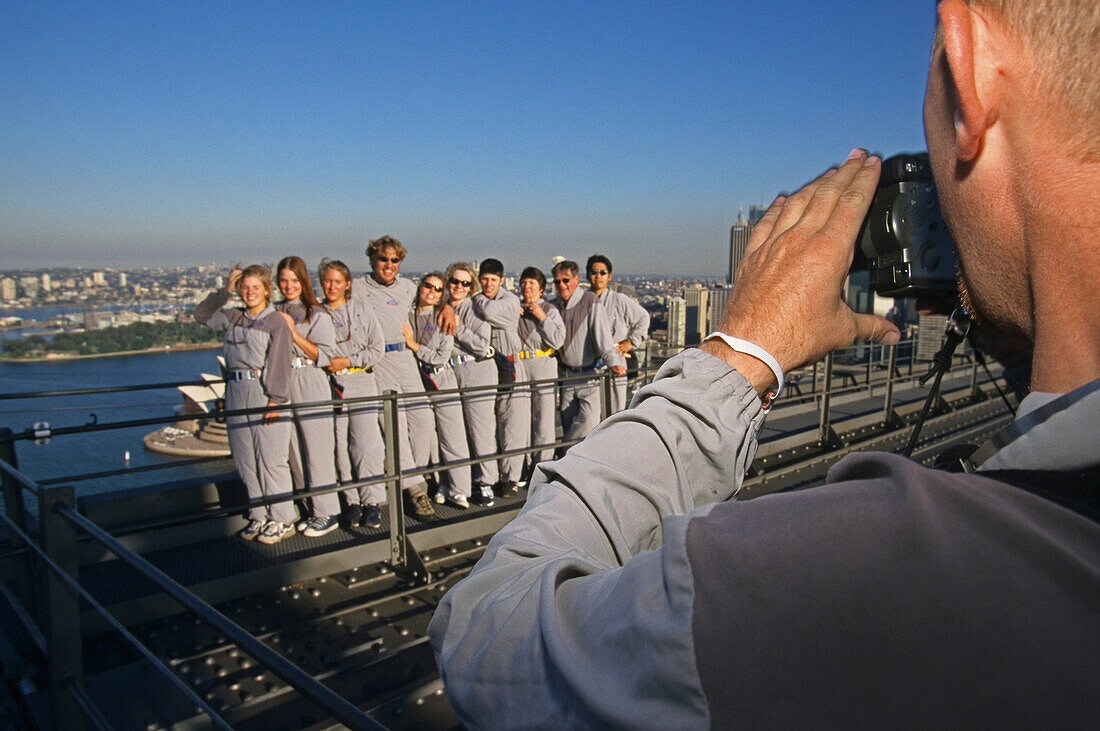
[329,701]
[79,591]
[106,389]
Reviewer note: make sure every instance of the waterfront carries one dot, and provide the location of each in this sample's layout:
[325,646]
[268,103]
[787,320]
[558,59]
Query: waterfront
[79,454]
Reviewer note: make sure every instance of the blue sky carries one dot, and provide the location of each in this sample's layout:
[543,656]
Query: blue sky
[163,133]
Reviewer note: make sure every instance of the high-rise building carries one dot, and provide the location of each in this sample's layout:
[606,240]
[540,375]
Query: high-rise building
[121,279]
[756,213]
[716,305]
[7,289]
[46,283]
[739,239]
[695,314]
[29,285]
[676,319]
[99,279]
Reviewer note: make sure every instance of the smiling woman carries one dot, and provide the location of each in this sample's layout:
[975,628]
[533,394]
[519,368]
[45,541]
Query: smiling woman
[257,351]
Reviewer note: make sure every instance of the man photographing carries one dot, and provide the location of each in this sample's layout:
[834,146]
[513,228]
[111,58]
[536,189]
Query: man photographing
[631,592]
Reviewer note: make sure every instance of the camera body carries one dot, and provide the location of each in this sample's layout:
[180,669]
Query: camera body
[904,242]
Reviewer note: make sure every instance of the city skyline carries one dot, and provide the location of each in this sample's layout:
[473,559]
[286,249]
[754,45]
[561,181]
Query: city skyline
[179,134]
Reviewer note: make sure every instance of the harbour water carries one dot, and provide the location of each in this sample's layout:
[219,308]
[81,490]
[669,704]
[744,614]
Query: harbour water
[80,454]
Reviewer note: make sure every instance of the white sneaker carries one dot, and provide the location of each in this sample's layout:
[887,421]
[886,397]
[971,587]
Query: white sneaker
[440,496]
[252,530]
[275,532]
[320,526]
[459,501]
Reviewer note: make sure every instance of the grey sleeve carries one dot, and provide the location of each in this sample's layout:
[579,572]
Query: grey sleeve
[276,377]
[552,329]
[637,321]
[323,335]
[437,350]
[600,322]
[579,612]
[473,333]
[503,312]
[209,311]
[366,334]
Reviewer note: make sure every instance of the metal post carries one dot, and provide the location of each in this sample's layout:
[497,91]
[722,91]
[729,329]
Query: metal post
[826,436]
[974,390]
[62,608]
[392,468]
[889,418]
[813,381]
[15,509]
[605,394]
[870,365]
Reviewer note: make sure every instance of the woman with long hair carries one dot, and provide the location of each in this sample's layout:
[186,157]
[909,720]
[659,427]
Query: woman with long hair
[257,351]
[360,453]
[432,348]
[472,359]
[313,444]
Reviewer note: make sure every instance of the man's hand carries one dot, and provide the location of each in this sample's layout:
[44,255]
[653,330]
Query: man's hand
[338,363]
[787,294]
[618,370]
[270,417]
[447,321]
[624,347]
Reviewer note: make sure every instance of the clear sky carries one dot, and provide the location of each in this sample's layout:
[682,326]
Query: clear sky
[193,132]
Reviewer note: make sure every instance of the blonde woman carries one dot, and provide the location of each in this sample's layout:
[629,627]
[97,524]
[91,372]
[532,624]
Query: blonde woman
[257,351]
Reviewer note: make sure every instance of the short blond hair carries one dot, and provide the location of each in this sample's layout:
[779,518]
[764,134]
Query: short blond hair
[464,267]
[1063,36]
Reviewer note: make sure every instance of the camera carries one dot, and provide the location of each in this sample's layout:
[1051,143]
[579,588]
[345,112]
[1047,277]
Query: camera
[904,242]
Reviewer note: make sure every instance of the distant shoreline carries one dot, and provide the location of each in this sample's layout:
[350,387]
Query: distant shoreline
[53,357]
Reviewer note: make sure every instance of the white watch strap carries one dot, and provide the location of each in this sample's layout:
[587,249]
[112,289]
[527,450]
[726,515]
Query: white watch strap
[744,346]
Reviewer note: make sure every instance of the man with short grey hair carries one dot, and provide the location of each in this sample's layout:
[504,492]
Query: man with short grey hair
[631,591]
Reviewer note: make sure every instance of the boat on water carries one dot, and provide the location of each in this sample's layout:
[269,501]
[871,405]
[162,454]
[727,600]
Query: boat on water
[139,608]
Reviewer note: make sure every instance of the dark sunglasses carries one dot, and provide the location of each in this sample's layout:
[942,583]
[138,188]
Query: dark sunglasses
[459,282]
[390,259]
[432,287]
[598,273]
[563,281]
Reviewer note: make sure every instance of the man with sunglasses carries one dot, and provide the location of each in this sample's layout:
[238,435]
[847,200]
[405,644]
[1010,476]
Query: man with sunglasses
[588,348]
[391,296]
[629,320]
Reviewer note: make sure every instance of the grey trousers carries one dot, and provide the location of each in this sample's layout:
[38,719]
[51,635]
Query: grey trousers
[397,370]
[260,451]
[450,428]
[618,394]
[360,452]
[479,412]
[313,442]
[513,408]
[544,406]
[580,406]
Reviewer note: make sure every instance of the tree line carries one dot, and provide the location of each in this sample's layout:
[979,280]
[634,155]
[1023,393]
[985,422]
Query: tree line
[138,336]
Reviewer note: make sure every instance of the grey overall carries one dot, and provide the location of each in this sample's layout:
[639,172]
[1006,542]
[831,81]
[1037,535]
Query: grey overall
[587,343]
[396,370]
[313,442]
[435,355]
[629,321]
[257,361]
[360,451]
[474,368]
[513,404]
[538,337]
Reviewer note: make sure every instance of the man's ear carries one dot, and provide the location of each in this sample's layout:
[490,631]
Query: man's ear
[974,75]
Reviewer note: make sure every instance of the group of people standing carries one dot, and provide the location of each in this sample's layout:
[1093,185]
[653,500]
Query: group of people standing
[466,347]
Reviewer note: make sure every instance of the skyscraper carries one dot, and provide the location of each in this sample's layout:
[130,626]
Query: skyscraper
[676,319]
[695,314]
[739,239]
[716,305]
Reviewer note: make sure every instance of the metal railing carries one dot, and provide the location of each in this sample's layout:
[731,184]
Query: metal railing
[53,625]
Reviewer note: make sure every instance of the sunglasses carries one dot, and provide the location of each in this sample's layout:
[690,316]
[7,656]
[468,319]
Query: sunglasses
[432,287]
[460,282]
[390,259]
[564,281]
[598,273]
